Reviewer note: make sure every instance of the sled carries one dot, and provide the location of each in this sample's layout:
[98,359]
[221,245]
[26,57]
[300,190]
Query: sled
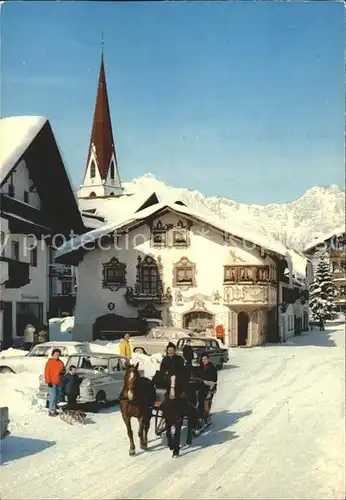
[71,416]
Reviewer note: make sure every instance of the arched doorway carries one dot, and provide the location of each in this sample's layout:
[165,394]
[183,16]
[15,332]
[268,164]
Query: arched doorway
[243,328]
[198,320]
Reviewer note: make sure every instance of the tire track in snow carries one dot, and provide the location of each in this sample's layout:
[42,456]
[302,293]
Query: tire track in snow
[170,467]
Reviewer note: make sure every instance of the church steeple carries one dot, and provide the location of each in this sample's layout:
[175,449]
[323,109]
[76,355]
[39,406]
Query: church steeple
[102,174]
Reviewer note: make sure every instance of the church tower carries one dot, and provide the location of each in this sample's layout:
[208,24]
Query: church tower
[101,178]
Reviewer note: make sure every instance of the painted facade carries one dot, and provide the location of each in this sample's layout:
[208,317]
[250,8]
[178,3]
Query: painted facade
[207,296]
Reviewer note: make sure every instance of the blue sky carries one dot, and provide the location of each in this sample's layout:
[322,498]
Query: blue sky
[240,99]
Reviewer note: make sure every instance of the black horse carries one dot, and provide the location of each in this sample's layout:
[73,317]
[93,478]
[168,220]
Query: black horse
[175,407]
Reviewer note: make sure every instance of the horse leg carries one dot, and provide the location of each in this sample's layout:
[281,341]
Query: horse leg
[146,430]
[169,435]
[176,440]
[127,421]
[189,432]
[141,433]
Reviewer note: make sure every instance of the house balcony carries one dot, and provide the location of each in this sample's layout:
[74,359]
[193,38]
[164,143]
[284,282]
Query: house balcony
[137,295]
[61,271]
[18,273]
[249,294]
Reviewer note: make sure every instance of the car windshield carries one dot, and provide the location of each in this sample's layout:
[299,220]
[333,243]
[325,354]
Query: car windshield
[82,349]
[39,351]
[88,362]
[196,343]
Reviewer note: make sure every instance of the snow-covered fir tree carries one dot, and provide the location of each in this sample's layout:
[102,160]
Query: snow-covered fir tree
[322,292]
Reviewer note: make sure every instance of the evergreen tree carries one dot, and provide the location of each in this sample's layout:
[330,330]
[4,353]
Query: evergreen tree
[322,292]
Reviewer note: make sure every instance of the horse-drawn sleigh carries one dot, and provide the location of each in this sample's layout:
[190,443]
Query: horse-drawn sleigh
[170,407]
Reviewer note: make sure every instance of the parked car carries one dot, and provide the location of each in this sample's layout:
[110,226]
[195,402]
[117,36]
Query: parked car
[102,377]
[218,355]
[36,359]
[157,339]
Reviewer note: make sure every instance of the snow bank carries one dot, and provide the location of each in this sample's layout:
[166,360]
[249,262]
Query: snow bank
[9,353]
[61,328]
[104,346]
[18,392]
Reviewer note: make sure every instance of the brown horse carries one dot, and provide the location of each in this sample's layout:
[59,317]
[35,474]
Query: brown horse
[137,398]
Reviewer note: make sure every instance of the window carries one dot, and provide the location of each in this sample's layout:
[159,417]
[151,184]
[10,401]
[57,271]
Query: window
[92,194]
[263,274]
[117,365]
[11,190]
[66,287]
[149,279]
[40,351]
[180,237]
[74,361]
[2,243]
[114,274]
[26,196]
[33,257]
[229,274]
[15,250]
[112,170]
[245,274]
[82,349]
[92,170]
[184,273]
[159,235]
[235,274]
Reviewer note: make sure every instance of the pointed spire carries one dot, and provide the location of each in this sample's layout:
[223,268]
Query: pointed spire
[102,136]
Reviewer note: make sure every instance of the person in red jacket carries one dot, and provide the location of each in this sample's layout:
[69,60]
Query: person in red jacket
[220,333]
[53,377]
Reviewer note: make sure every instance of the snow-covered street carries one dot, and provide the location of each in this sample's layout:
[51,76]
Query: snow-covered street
[278,433]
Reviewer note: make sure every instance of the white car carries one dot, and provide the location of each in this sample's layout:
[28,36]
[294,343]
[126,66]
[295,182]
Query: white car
[36,359]
[102,376]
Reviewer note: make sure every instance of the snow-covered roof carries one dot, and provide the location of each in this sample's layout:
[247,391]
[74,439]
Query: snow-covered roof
[299,263]
[16,134]
[324,237]
[115,209]
[91,223]
[204,216]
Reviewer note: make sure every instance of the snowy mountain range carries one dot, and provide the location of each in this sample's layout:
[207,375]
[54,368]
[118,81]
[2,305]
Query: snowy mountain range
[298,223]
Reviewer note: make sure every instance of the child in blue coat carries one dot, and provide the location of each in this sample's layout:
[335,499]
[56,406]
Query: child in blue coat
[71,387]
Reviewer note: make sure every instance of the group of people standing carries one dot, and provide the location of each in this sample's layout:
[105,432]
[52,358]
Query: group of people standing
[61,384]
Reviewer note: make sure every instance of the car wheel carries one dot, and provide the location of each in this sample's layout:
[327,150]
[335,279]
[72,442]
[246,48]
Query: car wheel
[6,369]
[139,350]
[100,400]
